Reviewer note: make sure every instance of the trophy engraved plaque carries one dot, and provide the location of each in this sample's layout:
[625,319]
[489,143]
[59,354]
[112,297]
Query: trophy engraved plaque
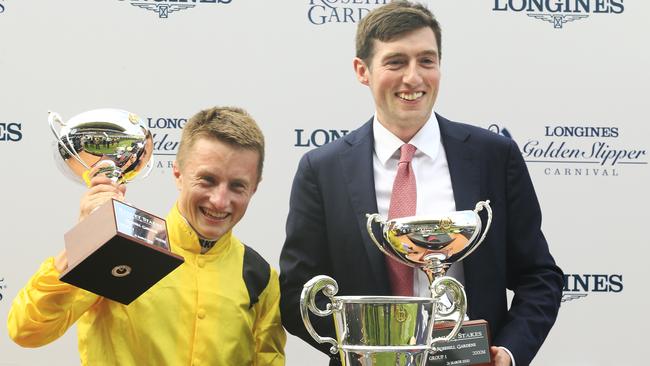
[118,251]
[433,244]
[470,347]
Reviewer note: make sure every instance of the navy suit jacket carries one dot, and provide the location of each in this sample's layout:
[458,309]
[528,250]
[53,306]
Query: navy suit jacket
[333,190]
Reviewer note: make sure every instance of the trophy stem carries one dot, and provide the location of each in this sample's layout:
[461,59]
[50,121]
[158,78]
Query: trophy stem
[109,169]
[434,269]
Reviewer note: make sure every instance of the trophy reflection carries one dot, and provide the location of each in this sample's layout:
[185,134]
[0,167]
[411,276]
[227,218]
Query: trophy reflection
[118,251]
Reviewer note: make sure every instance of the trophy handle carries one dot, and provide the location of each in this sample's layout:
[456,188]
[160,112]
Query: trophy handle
[149,167]
[52,118]
[150,164]
[307,297]
[478,208]
[106,167]
[376,218]
[439,287]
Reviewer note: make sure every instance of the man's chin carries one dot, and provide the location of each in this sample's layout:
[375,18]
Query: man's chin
[207,231]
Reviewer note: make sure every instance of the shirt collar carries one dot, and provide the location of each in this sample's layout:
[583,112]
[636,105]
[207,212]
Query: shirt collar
[386,143]
[190,239]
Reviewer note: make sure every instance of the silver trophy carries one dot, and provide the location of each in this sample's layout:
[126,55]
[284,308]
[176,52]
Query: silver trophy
[118,251]
[109,141]
[408,331]
[431,243]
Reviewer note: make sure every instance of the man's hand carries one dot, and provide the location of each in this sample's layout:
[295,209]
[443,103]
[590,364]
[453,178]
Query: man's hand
[102,189]
[61,261]
[499,356]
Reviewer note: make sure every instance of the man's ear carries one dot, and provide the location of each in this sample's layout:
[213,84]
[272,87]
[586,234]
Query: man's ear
[361,70]
[177,174]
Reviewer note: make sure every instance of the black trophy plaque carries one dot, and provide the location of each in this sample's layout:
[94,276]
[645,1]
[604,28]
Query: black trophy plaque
[118,252]
[470,347]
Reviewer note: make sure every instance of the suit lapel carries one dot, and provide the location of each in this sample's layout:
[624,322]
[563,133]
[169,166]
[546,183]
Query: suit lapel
[464,167]
[357,173]
[465,172]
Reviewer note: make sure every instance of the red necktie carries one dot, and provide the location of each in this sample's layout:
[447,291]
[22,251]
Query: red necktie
[403,201]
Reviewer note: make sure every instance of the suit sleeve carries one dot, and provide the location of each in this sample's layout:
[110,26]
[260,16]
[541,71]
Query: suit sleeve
[270,337]
[305,253]
[532,273]
[46,307]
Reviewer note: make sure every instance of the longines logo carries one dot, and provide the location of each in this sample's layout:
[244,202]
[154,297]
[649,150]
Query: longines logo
[2,287]
[578,286]
[10,132]
[165,7]
[317,137]
[321,12]
[166,133]
[580,150]
[560,12]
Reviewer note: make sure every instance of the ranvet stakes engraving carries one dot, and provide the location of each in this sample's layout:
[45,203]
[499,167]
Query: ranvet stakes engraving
[165,7]
[470,347]
[559,12]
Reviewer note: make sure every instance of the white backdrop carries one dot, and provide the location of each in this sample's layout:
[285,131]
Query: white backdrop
[289,63]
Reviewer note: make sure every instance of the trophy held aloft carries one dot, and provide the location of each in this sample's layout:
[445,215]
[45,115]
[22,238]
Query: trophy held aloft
[118,251]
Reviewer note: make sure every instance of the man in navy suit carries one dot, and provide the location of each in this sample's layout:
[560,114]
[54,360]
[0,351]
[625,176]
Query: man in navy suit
[455,166]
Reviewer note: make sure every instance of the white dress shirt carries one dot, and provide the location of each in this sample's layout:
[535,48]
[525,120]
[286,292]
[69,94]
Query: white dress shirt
[434,191]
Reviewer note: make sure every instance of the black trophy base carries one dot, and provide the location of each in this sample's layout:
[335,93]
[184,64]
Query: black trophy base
[118,252]
[470,347]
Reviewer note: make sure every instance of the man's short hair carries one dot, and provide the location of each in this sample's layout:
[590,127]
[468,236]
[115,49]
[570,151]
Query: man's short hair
[230,125]
[391,21]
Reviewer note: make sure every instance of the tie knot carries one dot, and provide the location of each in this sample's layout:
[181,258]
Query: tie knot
[406,153]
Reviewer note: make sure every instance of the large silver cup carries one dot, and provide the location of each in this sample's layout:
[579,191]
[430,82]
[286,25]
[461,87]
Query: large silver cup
[379,330]
[106,141]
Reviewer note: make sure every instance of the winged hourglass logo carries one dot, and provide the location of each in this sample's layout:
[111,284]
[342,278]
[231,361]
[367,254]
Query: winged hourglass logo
[163,10]
[558,20]
[165,7]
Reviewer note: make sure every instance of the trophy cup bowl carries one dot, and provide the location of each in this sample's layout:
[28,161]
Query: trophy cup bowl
[431,243]
[118,251]
[109,141]
[378,330]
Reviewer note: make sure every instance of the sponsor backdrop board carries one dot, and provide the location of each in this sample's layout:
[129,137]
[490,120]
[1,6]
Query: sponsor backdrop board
[568,80]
